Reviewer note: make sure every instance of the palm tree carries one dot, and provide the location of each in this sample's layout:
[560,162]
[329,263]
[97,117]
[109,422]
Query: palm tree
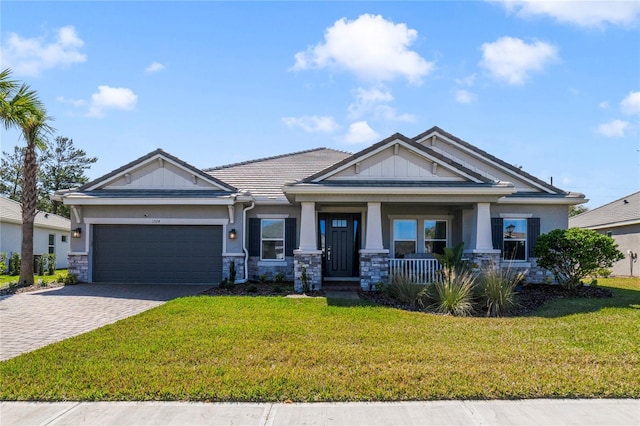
[21,108]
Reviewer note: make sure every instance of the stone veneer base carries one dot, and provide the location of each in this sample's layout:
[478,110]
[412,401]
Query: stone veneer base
[312,262]
[79,265]
[374,268]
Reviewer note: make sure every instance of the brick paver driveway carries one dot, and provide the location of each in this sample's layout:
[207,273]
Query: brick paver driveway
[31,320]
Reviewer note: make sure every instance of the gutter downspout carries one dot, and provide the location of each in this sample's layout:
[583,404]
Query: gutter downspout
[244,243]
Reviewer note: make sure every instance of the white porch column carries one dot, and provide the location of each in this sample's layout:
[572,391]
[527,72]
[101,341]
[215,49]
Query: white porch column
[483,227]
[308,227]
[374,228]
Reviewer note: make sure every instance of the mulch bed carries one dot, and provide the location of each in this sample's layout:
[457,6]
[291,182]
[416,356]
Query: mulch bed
[26,289]
[529,298]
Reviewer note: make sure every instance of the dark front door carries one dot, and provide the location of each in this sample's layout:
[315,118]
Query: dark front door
[341,244]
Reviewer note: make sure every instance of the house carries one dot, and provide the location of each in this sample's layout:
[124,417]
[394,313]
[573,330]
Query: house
[50,232]
[620,220]
[337,216]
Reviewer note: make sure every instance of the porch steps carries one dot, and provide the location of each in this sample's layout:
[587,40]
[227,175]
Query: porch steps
[341,286]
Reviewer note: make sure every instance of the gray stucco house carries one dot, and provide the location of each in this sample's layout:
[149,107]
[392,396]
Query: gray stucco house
[343,217]
[620,220]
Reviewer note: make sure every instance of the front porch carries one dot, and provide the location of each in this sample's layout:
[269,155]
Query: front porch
[356,243]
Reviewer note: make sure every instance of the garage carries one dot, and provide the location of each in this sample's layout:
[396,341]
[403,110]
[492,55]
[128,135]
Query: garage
[168,254]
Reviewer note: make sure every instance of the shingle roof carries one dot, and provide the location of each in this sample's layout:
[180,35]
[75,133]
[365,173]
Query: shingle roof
[265,177]
[625,209]
[11,212]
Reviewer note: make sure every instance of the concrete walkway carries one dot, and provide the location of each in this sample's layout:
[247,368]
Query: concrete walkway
[32,320]
[521,412]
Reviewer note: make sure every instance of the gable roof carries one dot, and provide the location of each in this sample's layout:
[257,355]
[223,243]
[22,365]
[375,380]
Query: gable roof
[485,156]
[158,153]
[11,212]
[623,211]
[265,177]
[397,137]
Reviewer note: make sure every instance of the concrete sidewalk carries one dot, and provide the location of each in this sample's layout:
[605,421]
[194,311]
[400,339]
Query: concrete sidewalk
[518,412]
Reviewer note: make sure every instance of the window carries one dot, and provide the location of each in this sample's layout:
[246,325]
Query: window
[609,234]
[435,236]
[514,235]
[272,239]
[52,243]
[404,237]
[63,238]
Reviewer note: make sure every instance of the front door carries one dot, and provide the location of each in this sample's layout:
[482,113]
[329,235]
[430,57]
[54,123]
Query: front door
[340,243]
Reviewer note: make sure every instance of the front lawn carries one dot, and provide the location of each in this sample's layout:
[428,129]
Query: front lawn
[234,348]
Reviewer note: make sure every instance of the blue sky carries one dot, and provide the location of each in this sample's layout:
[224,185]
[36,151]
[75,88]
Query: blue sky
[553,87]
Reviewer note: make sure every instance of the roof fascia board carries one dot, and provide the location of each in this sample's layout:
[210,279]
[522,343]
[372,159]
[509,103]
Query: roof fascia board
[320,189]
[542,200]
[386,146]
[92,201]
[613,224]
[444,199]
[477,155]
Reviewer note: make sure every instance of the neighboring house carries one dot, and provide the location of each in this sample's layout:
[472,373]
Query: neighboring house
[620,220]
[51,233]
[343,217]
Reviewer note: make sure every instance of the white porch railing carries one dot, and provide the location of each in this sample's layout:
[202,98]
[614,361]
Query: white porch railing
[420,271]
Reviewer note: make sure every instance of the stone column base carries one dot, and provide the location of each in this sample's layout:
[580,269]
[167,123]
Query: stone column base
[374,268]
[307,264]
[79,265]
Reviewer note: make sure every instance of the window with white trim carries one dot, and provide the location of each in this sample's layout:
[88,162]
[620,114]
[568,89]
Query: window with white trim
[272,239]
[52,243]
[405,239]
[514,236]
[435,236]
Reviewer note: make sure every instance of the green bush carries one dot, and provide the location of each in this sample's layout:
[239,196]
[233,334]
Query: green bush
[51,263]
[14,264]
[3,263]
[232,272]
[252,288]
[454,294]
[279,278]
[497,289]
[405,291]
[574,253]
[39,267]
[70,279]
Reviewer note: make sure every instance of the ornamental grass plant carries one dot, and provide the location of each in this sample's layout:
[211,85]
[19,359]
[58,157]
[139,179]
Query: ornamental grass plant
[498,289]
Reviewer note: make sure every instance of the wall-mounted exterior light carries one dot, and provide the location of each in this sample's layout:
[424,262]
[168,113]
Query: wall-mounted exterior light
[76,233]
[232,234]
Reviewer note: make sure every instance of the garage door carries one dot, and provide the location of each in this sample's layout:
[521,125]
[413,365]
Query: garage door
[178,254]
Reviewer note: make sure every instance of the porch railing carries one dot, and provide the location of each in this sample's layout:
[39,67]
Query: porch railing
[420,271]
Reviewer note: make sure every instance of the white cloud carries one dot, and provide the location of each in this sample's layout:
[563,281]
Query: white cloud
[312,124]
[467,81]
[631,104]
[73,102]
[370,47]
[373,102]
[465,97]
[580,13]
[604,104]
[360,132]
[154,67]
[613,129]
[512,60]
[31,56]
[111,98]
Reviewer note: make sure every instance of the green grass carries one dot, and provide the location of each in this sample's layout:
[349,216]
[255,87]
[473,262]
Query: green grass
[314,349]
[5,280]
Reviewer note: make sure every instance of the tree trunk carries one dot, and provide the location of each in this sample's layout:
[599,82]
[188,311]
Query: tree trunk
[29,200]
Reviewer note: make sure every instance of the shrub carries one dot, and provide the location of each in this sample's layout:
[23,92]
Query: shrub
[70,279]
[51,263]
[405,291]
[263,278]
[574,253]
[232,272]
[454,294]
[497,288]
[279,278]
[40,262]
[14,264]
[601,272]
[59,278]
[252,288]
[3,263]
[304,279]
